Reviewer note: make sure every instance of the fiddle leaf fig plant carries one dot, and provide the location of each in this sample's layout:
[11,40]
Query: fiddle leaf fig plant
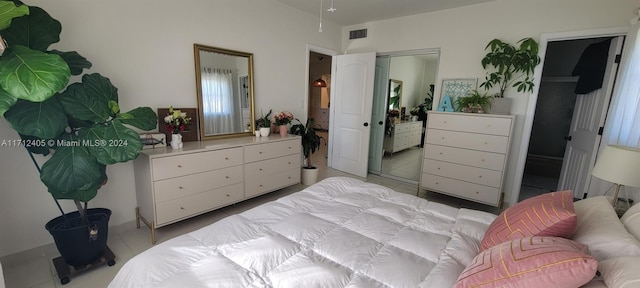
[510,63]
[78,126]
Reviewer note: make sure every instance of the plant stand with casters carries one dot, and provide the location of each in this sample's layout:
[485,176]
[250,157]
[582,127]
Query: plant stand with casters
[65,271]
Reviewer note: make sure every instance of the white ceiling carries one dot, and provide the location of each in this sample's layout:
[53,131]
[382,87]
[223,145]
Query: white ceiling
[350,12]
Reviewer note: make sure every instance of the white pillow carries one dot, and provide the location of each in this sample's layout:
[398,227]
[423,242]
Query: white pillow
[600,228]
[631,220]
[621,272]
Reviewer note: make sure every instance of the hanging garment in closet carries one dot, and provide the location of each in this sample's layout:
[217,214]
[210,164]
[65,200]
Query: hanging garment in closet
[591,67]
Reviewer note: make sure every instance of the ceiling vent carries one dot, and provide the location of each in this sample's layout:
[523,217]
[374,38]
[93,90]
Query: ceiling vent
[357,34]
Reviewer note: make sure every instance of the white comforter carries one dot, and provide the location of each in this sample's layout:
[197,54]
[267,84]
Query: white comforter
[340,232]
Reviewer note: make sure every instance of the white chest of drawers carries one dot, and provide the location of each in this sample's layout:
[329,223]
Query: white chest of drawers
[403,136]
[172,185]
[465,155]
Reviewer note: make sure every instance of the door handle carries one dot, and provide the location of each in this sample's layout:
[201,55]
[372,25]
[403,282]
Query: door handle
[366,124]
[568,137]
[380,123]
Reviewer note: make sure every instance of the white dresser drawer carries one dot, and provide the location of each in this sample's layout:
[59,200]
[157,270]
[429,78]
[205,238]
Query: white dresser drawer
[461,172]
[462,189]
[255,186]
[272,166]
[402,128]
[488,160]
[480,142]
[184,164]
[174,188]
[181,208]
[466,122]
[274,149]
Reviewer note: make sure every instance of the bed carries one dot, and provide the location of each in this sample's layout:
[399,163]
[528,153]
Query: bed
[343,232]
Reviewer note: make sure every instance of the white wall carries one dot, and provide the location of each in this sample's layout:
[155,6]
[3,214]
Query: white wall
[462,34]
[146,48]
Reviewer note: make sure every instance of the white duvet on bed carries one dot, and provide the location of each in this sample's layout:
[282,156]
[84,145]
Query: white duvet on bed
[340,232]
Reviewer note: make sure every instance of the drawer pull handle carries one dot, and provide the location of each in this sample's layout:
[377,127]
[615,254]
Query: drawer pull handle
[179,166]
[260,169]
[260,185]
[226,177]
[480,176]
[289,162]
[482,160]
[485,143]
[228,195]
[180,187]
[260,152]
[226,158]
[441,153]
[438,168]
[181,208]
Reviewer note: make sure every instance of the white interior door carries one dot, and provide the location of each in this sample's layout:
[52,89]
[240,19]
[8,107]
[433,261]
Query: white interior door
[583,139]
[378,113]
[351,115]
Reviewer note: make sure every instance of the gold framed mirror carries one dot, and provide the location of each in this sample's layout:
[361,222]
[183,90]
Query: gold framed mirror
[395,94]
[224,84]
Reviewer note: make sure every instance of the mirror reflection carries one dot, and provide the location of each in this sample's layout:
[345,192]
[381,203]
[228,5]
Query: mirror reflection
[395,94]
[225,92]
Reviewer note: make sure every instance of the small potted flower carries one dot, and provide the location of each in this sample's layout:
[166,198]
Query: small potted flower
[282,119]
[177,122]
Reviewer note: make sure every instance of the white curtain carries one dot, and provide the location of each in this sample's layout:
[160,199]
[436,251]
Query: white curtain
[623,119]
[623,125]
[217,100]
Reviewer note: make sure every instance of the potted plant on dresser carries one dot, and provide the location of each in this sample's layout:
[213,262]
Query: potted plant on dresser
[310,143]
[509,65]
[79,128]
[474,102]
[263,124]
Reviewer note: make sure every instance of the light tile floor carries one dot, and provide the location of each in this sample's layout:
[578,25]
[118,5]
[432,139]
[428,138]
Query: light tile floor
[34,269]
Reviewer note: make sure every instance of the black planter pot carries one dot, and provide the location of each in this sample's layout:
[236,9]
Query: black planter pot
[78,242]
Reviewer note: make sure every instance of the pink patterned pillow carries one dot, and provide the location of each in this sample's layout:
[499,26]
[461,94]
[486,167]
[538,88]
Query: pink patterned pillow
[531,262]
[550,214]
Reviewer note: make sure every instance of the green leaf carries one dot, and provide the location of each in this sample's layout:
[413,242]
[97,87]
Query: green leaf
[143,118]
[36,145]
[9,10]
[75,61]
[115,108]
[38,30]
[89,99]
[72,172]
[44,120]
[32,75]
[112,143]
[6,101]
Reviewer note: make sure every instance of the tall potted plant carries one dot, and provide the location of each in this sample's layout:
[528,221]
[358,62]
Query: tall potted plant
[510,66]
[310,143]
[79,128]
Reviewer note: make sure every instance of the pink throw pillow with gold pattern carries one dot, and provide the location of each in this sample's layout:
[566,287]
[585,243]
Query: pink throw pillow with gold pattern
[531,262]
[550,214]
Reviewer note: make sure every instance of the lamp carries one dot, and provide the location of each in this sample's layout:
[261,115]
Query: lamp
[319,83]
[619,165]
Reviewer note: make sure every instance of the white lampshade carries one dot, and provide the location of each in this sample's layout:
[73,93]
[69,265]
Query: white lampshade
[619,165]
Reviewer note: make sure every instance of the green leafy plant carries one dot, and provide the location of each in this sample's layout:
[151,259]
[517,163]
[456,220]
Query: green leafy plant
[265,120]
[79,127]
[510,64]
[310,139]
[474,102]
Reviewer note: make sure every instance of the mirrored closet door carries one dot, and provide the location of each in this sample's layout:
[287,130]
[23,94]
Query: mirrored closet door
[403,91]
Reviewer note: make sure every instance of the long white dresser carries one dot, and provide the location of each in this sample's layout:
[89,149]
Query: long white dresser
[403,136]
[465,155]
[173,185]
